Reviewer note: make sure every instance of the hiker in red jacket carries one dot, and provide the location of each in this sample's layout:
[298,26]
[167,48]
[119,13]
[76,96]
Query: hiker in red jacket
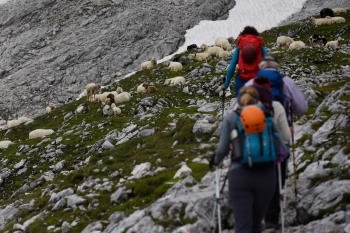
[250,49]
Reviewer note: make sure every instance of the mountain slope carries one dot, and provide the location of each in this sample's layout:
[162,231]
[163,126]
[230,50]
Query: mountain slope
[82,178]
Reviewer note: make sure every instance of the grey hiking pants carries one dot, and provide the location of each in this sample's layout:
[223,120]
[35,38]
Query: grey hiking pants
[250,193]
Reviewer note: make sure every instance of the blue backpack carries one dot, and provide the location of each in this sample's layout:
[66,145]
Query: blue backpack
[277,89]
[261,147]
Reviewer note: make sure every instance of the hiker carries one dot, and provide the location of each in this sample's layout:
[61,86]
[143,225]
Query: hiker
[250,49]
[251,184]
[284,90]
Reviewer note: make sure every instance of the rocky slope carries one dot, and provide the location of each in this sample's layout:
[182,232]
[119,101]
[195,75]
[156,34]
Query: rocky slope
[146,169]
[50,49]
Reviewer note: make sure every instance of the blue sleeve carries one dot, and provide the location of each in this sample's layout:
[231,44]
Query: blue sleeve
[264,51]
[231,68]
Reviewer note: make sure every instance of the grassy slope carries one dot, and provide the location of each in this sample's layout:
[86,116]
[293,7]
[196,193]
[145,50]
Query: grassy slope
[146,149]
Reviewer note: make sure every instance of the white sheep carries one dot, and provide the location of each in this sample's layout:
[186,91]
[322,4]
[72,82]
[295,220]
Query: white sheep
[284,41]
[223,43]
[177,80]
[175,66]
[95,98]
[5,144]
[213,51]
[119,90]
[84,108]
[333,42]
[103,96]
[339,10]
[225,53]
[23,119]
[92,89]
[336,19]
[296,45]
[122,97]
[107,110]
[140,88]
[38,133]
[12,123]
[149,64]
[321,21]
[115,109]
[50,108]
[199,56]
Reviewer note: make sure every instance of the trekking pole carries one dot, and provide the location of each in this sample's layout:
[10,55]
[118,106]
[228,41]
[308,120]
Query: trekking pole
[280,191]
[293,157]
[223,109]
[217,177]
[217,201]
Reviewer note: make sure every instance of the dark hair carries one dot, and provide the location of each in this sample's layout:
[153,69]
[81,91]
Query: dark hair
[249,30]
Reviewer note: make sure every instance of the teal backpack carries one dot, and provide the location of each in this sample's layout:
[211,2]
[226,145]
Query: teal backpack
[259,147]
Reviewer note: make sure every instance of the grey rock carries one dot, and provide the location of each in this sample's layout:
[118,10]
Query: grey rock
[66,227]
[107,145]
[93,227]
[59,204]
[74,200]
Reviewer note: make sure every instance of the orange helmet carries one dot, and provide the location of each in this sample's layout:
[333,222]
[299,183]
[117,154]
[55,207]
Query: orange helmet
[253,119]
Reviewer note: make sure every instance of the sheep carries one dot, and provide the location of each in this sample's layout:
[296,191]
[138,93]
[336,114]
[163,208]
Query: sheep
[103,96]
[149,64]
[223,43]
[119,90]
[336,19]
[122,97]
[326,12]
[84,108]
[296,45]
[149,89]
[95,98]
[50,107]
[192,46]
[284,41]
[5,144]
[12,123]
[338,10]
[225,53]
[213,51]
[92,89]
[323,21]
[115,109]
[175,66]
[231,40]
[333,43]
[110,99]
[175,81]
[317,39]
[199,56]
[38,133]
[182,59]
[140,88]
[107,110]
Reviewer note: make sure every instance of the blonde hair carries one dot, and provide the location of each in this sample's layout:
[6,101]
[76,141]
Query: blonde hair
[248,95]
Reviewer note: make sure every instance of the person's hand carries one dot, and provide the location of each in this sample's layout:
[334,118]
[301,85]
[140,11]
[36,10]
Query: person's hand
[223,87]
